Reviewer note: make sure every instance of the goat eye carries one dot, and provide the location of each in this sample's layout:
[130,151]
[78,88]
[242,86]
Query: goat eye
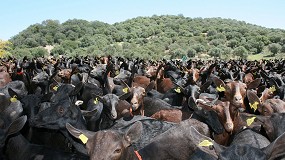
[118,150]
[60,110]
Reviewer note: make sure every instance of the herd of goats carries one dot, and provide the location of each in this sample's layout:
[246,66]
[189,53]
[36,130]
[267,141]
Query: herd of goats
[114,108]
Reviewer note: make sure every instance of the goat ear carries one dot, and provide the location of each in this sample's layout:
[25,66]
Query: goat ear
[192,104]
[133,134]
[276,149]
[12,93]
[56,64]
[179,89]
[53,75]
[125,85]
[221,86]
[267,126]
[228,80]
[83,135]
[204,141]
[98,98]
[17,125]
[273,83]
[205,85]
[198,136]
[77,89]
[254,101]
[211,69]
[150,86]
[35,72]
[254,84]
[89,113]
[125,96]
[260,89]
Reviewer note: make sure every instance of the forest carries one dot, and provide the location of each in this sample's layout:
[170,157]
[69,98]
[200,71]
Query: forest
[155,37]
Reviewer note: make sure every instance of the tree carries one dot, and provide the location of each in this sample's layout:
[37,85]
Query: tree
[232,43]
[274,48]
[217,42]
[21,52]
[275,37]
[59,37]
[178,53]
[215,52]
[282,41]
[258,45]
[86,41]
[31,42]
[71,35]
[150,37]
[39,52]
[283,48]
[57,50]
[70,45]
[199,48]
[191,52]
[241,52]
[5,46]
[227,53]
[211,32]
[174,46]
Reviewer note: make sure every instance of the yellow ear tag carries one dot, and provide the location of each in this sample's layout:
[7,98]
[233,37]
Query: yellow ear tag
[83,138]
[177,90]
[55,88]
[13,99]
[254,106]
[249,121]
[117,72]
[220,89]
[205,143]
[272,89]
[96,101]
[125,90]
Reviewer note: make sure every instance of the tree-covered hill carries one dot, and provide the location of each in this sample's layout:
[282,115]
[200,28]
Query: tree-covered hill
[151,37]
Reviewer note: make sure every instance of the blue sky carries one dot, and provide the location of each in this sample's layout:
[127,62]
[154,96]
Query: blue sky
[17,15]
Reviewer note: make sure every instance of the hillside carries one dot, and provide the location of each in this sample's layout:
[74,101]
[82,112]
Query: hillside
[152,37]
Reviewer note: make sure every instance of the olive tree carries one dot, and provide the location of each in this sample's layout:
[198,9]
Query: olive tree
[274,48]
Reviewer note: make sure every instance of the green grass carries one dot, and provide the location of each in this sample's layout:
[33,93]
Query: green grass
[260,56]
